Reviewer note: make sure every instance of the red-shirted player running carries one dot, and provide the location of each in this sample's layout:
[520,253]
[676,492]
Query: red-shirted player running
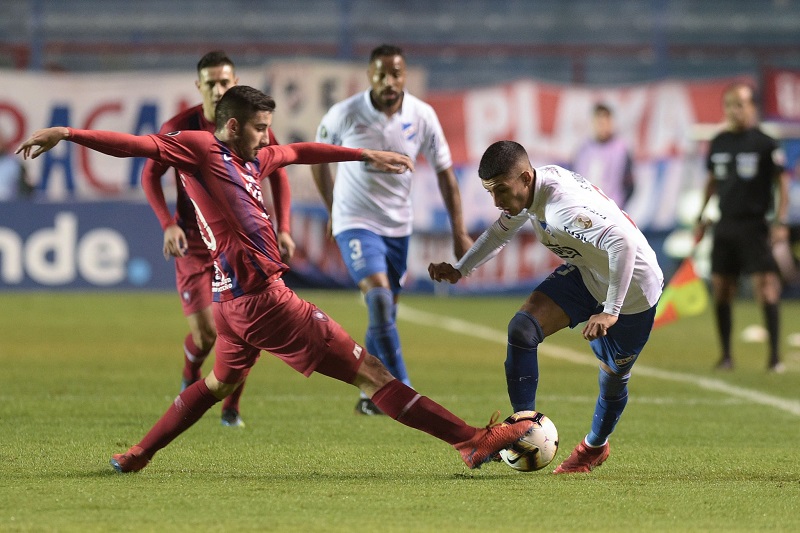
[253,309]
[194,267]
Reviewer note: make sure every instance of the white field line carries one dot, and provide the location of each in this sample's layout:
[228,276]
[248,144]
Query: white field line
[471,329]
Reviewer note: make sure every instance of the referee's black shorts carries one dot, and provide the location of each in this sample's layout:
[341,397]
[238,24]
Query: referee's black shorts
[742,246]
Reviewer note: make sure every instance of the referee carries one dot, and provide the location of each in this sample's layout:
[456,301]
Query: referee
[744,165]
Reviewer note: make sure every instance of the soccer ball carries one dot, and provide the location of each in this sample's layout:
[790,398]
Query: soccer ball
[537,448]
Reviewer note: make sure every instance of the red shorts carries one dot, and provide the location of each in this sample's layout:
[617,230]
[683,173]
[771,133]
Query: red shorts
[193,275]
[276,320]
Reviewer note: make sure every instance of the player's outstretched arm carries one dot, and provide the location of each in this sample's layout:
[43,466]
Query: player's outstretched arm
[110,143]
[387,161]
[444,272]
[45,139]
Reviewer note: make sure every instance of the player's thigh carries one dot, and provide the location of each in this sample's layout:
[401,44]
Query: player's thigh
[201,324]
[373,260]
[234,357]
[561,300]
[277,321]
[625,340]
[549,314]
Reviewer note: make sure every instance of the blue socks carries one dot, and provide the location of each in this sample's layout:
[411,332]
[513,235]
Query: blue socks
[382,339]
[610,403]
[522,361]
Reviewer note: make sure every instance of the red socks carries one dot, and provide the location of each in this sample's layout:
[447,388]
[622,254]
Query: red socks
[187,409]
[405,405]
[193,358]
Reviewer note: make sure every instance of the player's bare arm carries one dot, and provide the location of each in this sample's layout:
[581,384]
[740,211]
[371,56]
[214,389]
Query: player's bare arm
[323,179]
[448,187]
[387,161]
[444,272]
[45,139]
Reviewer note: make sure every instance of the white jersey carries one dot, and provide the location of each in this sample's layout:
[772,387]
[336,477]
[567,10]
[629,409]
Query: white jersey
[369,199]
[578,223]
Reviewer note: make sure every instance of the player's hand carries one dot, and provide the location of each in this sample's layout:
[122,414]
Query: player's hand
[461,243]
[175,243]
[598,326]
[444,272]
[45,139]
[388,161]
[286,245]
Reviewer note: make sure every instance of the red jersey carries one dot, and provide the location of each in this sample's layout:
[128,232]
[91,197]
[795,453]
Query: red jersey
[193,119]
[226,194]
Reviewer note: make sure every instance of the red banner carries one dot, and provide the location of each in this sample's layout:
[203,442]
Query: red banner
[782,94]
[552,120]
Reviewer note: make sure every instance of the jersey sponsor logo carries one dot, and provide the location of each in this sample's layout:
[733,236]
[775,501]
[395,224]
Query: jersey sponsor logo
[221,282]
[622,359]
[226,157]
[319,315]
[357,351]
[574,234]
[173,133]
[564,252]
[187,297]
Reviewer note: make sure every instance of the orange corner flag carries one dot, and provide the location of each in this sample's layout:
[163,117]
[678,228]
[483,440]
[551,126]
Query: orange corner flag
[685,295]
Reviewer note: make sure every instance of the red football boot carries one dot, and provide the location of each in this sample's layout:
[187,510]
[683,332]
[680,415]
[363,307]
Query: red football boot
[489,440]
[131,461]
[583,459]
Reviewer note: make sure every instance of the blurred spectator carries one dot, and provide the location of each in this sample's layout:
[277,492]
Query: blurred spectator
[605,159]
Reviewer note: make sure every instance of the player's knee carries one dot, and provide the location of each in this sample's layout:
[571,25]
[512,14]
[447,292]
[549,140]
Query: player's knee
[524,330]
[204,337]
[219,389]
[380,305]
[613,386]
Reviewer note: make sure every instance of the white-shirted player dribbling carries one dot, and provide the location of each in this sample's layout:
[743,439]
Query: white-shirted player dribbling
[371,212]
[610,280]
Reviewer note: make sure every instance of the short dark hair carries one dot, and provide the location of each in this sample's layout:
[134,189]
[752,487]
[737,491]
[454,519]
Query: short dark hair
[242,102]
[217,58]
[385,50]
[500,158]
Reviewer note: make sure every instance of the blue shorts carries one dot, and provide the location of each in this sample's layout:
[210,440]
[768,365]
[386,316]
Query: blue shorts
[624,341]
[366,253]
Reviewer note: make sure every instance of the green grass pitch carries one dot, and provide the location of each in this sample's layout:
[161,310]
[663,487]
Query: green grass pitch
[85,376]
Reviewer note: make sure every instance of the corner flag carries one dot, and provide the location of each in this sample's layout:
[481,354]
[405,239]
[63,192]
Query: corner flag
[685,295]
